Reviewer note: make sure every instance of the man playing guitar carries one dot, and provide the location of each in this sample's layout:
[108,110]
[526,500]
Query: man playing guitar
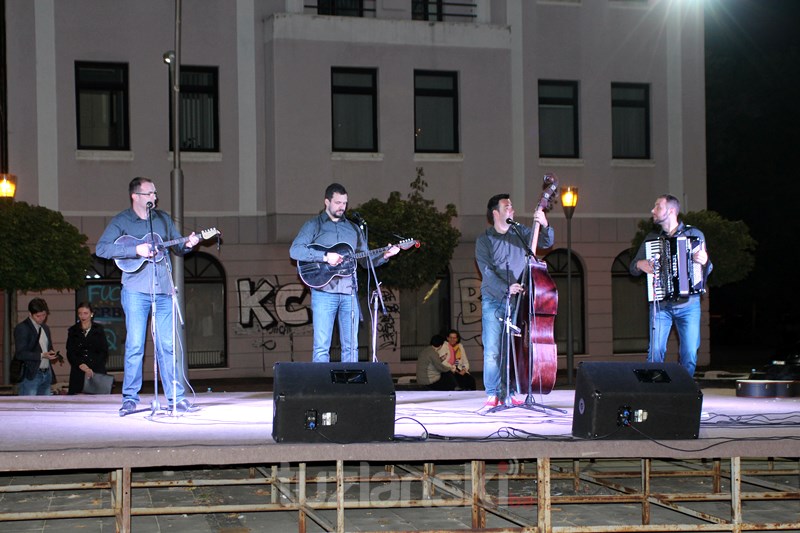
[337,299]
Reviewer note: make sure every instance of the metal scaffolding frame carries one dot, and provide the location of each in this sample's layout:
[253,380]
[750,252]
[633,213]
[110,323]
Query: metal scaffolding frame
[519,492]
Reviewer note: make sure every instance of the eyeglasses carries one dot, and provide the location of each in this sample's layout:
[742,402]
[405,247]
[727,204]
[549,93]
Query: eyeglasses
[151,193]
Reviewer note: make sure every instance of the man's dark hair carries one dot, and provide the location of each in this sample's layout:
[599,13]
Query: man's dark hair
[672,202]
[494,203]
[37,305]
[334,188]
[437,340]
[136,184]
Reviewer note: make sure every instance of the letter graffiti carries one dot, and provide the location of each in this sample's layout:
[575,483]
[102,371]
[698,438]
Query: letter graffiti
[470,289]
[271,304]
[387,331]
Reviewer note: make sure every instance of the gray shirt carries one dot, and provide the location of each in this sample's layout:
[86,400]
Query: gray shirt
[501,257]
[430,365]
[128,223]
[323,231]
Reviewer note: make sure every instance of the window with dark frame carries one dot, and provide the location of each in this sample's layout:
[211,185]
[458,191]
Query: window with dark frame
[427,10]
[442,10]
[205,297]
[435,112]
[557,267]
[199,111]
[629,307]
[341,8]
[630,120]
[101,106]
[558,119]
[354,109]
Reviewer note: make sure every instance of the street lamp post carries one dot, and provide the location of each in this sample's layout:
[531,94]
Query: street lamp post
[8,187]
[569,199]
[173,59]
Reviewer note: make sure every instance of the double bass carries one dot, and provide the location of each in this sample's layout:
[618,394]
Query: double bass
[535,351]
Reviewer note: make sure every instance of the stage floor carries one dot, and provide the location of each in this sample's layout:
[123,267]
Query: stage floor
[86,432]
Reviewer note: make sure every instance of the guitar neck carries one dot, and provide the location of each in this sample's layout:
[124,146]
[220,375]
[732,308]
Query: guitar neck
[180,240]
[376,251]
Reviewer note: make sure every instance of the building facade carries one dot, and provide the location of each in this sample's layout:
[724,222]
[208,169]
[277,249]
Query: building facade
[279,98]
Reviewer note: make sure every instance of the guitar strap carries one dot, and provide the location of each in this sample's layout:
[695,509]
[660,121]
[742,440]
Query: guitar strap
[319,230]
[160,216]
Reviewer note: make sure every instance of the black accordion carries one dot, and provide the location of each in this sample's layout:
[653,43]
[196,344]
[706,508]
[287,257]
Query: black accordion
[675,274]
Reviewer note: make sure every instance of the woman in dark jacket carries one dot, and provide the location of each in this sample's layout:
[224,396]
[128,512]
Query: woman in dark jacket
[87,348]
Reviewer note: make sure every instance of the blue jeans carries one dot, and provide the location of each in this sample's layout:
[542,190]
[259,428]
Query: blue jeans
[686,318]
[38,386]
[137,311]
[326,308]
[492,337]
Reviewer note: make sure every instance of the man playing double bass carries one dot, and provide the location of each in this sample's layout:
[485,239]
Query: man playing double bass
[501,258]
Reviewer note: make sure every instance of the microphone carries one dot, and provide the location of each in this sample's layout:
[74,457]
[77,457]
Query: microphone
[149,205]
[512,222]
[358,219]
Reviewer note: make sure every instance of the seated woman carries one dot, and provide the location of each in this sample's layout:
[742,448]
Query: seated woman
[87,348]
[432,372]
[457,358]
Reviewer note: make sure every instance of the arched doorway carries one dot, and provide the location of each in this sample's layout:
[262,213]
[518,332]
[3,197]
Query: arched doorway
[205,316]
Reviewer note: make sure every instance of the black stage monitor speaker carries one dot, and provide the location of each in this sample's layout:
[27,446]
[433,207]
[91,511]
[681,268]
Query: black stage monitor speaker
[333,402]
[636,401]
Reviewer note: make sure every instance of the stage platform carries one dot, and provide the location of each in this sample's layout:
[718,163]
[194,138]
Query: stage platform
[75,432]
[85,433]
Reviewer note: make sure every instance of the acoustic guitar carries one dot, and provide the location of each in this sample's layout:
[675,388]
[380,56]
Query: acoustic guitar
[133,264]
[317,274]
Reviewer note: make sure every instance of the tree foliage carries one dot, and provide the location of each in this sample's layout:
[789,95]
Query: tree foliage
[730,246]
[42,250]
[415,217]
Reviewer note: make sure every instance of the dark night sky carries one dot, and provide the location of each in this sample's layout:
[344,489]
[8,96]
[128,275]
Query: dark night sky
[753,138]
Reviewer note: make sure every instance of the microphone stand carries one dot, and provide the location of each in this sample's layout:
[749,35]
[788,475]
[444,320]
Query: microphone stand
[155,406]
[376,297]
[354,307]
[530,403]
[177,321]
[505,352]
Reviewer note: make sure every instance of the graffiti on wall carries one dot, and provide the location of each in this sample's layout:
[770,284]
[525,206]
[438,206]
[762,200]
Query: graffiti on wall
[107,304]
[270,306]
[387,324]
[277,311]
[470,291]
[469,314]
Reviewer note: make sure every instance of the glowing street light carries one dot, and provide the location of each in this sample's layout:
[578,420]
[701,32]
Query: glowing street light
[8,185]
[569,199]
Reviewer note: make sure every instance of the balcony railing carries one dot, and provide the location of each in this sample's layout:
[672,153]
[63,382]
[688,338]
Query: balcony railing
[442,11]
[430,10]
[342,8]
